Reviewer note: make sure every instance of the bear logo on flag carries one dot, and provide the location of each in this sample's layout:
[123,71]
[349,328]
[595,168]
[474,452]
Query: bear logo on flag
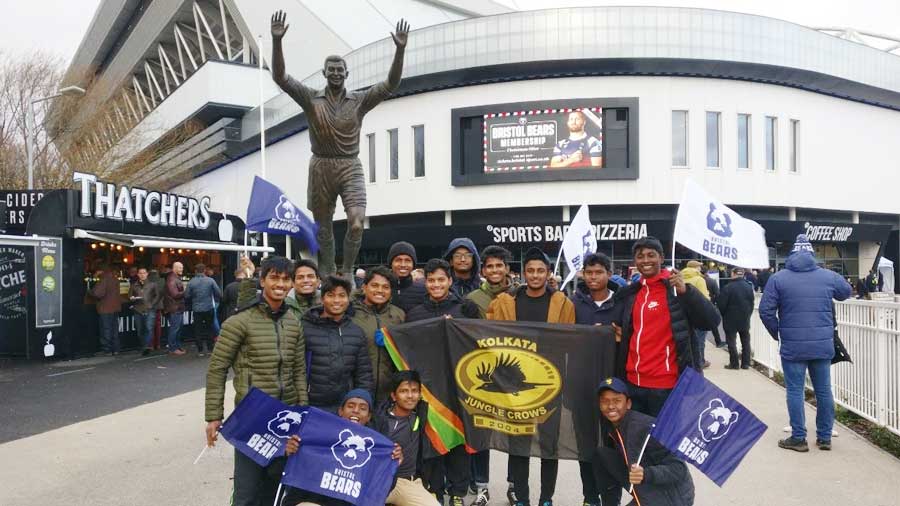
[718,222]
[286,211]
[716,420]
[352,450]
[285,423]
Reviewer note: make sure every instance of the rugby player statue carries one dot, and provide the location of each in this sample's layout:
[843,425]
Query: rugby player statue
[335,117]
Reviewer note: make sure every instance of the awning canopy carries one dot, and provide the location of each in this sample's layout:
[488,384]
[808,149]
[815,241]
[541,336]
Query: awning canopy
[134,241]
[21,240]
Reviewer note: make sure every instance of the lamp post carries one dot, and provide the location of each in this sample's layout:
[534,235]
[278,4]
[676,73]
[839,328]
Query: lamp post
[29,126]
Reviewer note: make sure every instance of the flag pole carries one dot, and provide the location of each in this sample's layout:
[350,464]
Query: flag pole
[641,455]
[201,454]
[278,492]
[262,128]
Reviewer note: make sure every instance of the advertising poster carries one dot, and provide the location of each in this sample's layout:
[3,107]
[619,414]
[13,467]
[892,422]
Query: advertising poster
[48,281]
[547,139]
[13,304]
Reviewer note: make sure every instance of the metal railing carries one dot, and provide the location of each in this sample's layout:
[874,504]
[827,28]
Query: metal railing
[870,386]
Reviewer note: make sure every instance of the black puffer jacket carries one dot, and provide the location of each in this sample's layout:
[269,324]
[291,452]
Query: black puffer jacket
[687,312]
[451,306]
[338,358]
[667,481]
[407,294]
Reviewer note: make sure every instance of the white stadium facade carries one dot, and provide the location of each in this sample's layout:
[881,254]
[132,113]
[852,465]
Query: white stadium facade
[792,126]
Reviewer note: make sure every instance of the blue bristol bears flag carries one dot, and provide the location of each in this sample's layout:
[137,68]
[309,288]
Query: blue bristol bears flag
[703,425]
[271,211]
[341,459]
[260,426]
[706,225]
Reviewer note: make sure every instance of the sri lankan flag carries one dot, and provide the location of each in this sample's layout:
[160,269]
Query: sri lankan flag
[519,387]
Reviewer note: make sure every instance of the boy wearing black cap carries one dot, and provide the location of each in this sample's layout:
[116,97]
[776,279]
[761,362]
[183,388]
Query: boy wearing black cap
[657,476]
[407,293]
[533,302]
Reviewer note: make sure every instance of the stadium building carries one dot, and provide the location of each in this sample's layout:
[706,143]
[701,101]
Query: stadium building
[506,121]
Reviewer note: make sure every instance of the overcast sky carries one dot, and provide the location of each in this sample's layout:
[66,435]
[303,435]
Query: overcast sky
[57,26]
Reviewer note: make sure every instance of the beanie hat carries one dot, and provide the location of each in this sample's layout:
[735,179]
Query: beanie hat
[536,254]
[802,244]
[401,248]
[358,393]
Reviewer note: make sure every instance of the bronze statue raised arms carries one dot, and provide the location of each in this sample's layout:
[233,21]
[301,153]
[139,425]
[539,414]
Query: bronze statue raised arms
[335,117]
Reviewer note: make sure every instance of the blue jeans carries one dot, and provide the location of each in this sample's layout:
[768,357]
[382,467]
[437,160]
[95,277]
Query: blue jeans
[145,323]
[109,332]
[699,343]
[173,340]
[794,377]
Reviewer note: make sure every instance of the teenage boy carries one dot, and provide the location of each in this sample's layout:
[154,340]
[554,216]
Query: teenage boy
[355,407]
[303,294]
[372,310]
[463,258]
[659,479]
[339,358]
[403,420]
[261,342]
[534,302]
[659,315]
[407,293]
[595,304]
[441,301]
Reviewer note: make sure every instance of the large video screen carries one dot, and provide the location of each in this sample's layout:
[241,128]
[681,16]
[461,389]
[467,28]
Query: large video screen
[549,139]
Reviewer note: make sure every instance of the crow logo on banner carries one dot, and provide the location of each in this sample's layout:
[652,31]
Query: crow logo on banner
[506,385]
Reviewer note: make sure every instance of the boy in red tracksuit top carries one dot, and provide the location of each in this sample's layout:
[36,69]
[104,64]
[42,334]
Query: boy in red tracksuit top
[659,315]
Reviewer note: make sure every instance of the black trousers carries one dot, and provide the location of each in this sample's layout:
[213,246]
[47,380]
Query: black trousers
[588,482]
[518,469]
[481,468]
[716,336]
[611,475]
[203,329]
[255,485]
[731,337]
[454,468]
[648,401]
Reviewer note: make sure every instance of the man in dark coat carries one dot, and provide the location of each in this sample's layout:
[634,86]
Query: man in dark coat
[465,264]
[109,304]
[230,295]
[338,355]
[406,293]
[796,308]
[736,306]
[659,479]
[664,311]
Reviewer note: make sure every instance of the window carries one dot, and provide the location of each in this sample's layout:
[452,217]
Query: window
[371,139]
[679,138]
[419,150]
[743,145]
[394,152]
[712,139]
[771,146]
[795,147]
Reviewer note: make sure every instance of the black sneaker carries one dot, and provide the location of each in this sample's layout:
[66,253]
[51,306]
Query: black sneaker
[482,498]
[798,445]
[731,367]
[589,503]
[145,352]
[511,496]
[456,500]
[823,445]
[547,503]
[473,487]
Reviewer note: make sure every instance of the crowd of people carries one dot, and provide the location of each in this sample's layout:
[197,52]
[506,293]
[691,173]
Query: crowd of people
[318,341]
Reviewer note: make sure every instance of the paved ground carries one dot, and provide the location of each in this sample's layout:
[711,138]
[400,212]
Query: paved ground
[143,454]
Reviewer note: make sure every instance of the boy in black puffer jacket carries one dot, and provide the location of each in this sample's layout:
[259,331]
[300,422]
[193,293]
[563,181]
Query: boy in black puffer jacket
[338,354]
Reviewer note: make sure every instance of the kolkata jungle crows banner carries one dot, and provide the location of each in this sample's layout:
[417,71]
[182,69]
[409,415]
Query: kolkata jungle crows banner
[519,387]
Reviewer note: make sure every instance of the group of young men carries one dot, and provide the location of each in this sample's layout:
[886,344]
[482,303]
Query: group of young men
[318,342]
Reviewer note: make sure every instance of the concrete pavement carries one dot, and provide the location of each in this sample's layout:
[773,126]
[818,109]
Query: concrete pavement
[143,456]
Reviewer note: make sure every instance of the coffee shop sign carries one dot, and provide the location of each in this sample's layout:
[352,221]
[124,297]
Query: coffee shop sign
[827,233]
[105,201]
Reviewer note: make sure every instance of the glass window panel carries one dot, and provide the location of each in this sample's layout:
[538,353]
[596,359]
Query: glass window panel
[679,138]
[712,139]
[743,132]
[795,155]
[771,145]
[419,150]
[371,139]
[394,154]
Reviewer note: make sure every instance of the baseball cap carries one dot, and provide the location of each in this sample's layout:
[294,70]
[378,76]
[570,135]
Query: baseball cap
[614,384]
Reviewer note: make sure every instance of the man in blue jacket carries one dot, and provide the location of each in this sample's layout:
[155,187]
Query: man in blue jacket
[796,307]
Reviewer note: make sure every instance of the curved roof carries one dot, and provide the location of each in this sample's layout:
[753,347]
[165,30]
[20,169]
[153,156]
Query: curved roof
[613,33]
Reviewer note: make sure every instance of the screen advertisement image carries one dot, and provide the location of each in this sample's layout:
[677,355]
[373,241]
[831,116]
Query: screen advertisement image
[543,140]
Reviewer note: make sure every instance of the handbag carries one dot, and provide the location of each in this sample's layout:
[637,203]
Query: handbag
[840,351]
